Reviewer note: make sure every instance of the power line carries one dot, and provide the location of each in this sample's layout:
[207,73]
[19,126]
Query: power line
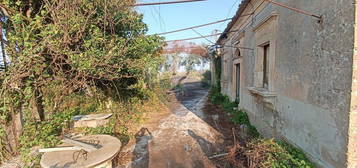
[236,47]
[193,27]
[226,32]
[193,38]
[160,19]
[193,47]
[203,25]
[229,12]
[295,9]
[202,36]
[165,3]
[162,22]
[237,16]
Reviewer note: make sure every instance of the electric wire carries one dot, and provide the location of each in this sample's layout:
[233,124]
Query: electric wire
[295,9]
[193,27]
[241,29]
[229,12]
[216,34]
[202,36]
[164,3]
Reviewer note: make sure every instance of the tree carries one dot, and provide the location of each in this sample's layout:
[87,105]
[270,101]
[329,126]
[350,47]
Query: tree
[173,56]
[62,47]
[196,55]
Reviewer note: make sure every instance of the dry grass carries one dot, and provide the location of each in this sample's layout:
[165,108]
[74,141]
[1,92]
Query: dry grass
[250,155]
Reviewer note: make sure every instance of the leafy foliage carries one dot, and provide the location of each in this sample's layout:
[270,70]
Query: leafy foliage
[43,134]
[78,44]
[4,152]
[268,153]
[260,152]
[206,80]
[238,117]
[63,51]
[184,54]
[218,69]
[289,156]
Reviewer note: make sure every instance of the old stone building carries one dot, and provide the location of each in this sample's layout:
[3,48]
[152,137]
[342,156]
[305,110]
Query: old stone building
[296,74]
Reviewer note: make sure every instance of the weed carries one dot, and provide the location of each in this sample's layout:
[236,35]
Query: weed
[238,117]
[43,134]
[258,152]
[206,80]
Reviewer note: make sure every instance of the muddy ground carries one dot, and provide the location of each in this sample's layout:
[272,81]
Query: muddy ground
[185,136]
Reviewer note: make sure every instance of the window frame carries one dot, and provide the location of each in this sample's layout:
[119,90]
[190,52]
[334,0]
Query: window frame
[265,34]
[266,68]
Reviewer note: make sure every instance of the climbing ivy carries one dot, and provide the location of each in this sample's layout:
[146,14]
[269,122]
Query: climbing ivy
[218,70]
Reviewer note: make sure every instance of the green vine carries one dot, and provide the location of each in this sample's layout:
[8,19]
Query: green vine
[218,70]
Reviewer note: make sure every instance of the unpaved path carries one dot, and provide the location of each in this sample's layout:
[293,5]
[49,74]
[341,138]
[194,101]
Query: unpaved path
[184,137]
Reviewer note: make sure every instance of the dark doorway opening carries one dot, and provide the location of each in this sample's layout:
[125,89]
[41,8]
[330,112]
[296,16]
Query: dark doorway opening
[237,81]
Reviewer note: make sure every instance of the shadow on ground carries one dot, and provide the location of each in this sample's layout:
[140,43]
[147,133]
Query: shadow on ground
[210,114]
[141,149]
[192,130]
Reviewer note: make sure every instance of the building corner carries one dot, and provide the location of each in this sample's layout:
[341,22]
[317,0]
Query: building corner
[352,126]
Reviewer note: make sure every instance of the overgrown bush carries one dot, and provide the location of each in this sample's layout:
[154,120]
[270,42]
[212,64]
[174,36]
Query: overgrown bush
[238,117]
[63,51]
[268,153]
[165,81]
[4,154]
[206,80]
[42,134]
[258,152]
[3,147]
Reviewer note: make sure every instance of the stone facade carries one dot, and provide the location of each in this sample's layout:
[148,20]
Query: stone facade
[294,74]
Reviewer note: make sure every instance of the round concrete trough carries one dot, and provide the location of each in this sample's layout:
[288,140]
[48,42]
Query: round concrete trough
[109,149]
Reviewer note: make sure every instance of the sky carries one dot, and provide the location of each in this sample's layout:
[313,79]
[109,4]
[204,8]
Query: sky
[170,17]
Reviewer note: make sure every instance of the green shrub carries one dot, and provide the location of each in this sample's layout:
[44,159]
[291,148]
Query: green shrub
[215,96]
[206,80]
[60,48]
[278,154]
[238,117]
[43,134]
[282,155]
[4,154]
[291,157]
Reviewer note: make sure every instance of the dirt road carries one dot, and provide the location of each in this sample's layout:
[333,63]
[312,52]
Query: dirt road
[185,137]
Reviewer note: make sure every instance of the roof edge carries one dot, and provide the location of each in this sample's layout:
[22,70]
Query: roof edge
[239,12]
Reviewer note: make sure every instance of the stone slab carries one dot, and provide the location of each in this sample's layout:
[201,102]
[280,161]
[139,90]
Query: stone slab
[109,148]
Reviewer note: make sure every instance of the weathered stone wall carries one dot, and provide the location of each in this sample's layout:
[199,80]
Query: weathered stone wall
[213,70]
[310,76]
[352,135]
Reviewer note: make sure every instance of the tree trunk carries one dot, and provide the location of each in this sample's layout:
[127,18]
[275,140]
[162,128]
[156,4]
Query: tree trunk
[39,104]
[15,132]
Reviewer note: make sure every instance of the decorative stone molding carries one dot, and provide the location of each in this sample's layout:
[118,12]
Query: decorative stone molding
[265,34]
[268,97]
